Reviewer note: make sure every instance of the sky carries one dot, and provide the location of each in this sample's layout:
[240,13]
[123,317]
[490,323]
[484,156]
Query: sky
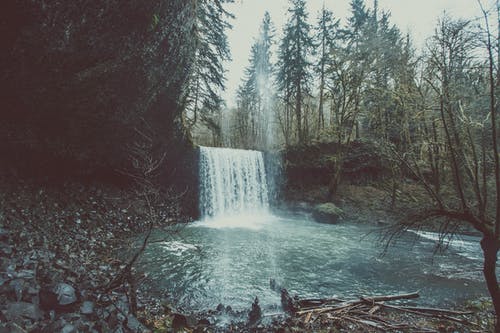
[419,17]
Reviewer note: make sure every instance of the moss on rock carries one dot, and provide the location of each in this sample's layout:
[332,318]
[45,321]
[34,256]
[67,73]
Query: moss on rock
[327,213]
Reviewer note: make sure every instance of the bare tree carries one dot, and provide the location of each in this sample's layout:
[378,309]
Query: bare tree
[470,143]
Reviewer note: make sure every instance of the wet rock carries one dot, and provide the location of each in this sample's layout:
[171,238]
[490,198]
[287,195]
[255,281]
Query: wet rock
[256,312]
[87,308]
[23,310]
[287,302]
[11,328]
[119,329]
[68,328]
[220,307]
[326,213]
[62,298]
[17,286]
[179,321]
[66,294]
[4,234]
[24,274]
[135,325]
[6,250]
[204,322]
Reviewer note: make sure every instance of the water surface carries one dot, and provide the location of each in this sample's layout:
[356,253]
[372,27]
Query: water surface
[232,260]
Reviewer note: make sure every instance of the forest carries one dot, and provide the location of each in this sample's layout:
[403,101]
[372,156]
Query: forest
[352,186]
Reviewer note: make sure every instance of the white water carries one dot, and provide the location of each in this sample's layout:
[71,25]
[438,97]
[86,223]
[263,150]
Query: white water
[233,186]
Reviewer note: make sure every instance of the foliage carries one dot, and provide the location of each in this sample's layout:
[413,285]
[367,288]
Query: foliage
[255,98]
[207,75]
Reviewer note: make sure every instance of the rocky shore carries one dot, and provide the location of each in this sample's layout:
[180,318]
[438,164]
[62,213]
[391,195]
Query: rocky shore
[60,258]
[64,248]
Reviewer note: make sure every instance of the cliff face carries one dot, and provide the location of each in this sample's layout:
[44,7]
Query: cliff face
[85,79]
[312,166]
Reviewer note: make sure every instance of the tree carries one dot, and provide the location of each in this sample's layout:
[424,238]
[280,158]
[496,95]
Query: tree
[294,66]
[206,75]
[255,95]
[325,38]
[465,90]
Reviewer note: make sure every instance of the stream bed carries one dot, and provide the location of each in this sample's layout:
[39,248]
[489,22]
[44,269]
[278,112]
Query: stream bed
[232,260]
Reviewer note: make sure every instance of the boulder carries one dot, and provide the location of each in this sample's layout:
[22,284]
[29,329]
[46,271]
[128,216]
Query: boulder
[327,213]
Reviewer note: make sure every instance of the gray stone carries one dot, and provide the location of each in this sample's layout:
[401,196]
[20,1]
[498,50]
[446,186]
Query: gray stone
[11,328]
[135,325]
[68,328]
[66,294]
[87,308]
[4,234]
[23,310]
[17,286]
[327,213]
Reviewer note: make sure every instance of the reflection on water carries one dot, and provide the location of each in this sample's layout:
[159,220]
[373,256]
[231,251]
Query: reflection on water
[208,263]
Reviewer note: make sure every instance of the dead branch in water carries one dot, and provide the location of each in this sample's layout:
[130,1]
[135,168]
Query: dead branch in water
[366,313]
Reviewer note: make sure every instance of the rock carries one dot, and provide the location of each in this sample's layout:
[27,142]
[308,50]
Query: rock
[17,286]
[135,325]
[287,302]
[6,250]
[256,312]
[87,308]
[23,310]
[68,328]
[179,321]
[66,294]
[4,234]
[204,322]
[326,213]
[220,307]
[11,328]
[62,298]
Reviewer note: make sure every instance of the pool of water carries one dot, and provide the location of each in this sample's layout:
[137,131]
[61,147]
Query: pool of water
[232,260]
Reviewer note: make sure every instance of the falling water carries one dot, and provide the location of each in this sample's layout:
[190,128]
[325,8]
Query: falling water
[232,182]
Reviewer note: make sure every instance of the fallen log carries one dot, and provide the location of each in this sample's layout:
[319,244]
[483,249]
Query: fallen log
[361,312]
[390,297]
[439,311]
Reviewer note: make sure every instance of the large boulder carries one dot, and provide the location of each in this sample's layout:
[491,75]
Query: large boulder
[326,213]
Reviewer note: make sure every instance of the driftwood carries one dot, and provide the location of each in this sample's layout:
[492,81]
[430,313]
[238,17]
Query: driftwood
[364,313]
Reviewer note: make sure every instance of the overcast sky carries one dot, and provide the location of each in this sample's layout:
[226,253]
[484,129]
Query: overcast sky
[418,17]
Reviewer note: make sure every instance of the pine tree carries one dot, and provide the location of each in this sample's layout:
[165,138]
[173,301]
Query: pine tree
[207,78]
[294,72]
[255,94]
[325,39]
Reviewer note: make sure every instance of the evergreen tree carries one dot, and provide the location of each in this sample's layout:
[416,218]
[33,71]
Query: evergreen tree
[255,96]
[207,72]
[294,72]
[325,38]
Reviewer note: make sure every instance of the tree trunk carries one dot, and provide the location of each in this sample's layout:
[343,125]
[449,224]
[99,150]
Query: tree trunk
[490,246]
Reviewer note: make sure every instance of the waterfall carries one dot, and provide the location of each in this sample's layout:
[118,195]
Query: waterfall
[232,181]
